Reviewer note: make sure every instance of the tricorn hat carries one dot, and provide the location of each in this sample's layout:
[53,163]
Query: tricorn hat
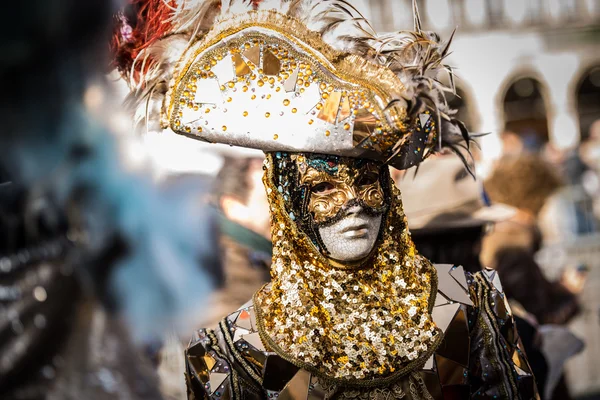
[297,75]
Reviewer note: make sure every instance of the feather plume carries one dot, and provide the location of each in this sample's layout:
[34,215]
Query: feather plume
[136,27]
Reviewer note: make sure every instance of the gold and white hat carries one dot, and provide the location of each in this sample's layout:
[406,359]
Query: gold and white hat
[299,76]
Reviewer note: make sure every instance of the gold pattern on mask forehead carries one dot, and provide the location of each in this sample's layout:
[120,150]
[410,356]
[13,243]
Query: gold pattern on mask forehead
[348,184]
[366,326]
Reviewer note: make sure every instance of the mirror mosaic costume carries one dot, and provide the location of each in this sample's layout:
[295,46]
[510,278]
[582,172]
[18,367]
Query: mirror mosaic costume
[332,104]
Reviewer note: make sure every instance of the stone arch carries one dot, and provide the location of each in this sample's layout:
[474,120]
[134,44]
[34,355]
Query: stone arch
[587,98]
[525,110]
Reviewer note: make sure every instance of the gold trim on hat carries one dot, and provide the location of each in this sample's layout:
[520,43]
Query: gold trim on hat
[277,54]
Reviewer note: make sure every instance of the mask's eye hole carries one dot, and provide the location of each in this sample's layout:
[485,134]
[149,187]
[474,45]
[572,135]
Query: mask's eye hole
[367,179]
[322,188]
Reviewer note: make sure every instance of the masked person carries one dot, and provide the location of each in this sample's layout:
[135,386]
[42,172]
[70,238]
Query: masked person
[352,310]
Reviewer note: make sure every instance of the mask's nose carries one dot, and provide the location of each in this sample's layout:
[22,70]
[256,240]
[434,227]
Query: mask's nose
[355,209]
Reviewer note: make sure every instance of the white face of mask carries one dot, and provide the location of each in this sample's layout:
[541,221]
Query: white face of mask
[352,237]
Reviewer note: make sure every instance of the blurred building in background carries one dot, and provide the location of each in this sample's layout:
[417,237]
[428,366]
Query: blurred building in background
[531,67]
[527,66]
[528,72]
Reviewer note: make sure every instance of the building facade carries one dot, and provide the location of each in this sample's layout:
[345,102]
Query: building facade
[531,67]
[528,66]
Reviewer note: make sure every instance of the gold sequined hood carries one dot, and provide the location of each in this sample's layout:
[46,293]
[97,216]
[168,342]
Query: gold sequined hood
[365,326]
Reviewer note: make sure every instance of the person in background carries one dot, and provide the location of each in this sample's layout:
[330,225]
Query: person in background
[452,231]
[456,230]
[448,227]
[529,184]
[552,303]
[525,182]
[512,143]
[245,232]
[548,212]
[589,152]
[242,249]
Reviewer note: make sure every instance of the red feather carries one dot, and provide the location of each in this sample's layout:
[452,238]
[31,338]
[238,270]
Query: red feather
[138,26]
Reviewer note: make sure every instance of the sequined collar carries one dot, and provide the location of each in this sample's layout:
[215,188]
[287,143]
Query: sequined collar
[361,327]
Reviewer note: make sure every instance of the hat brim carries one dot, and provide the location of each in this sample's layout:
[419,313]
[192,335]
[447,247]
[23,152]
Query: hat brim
[484,215]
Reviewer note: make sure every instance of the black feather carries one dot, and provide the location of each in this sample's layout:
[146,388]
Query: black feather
[463,130]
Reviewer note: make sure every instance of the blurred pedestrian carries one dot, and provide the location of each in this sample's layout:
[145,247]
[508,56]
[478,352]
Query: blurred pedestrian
[451,230]
[446,212]
[525,182]
[589,151]
[553,304]
[524,282]
[241,239]
[245,226]
[533,187]
[512,144]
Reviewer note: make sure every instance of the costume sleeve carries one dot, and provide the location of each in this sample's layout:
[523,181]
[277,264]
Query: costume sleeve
[208,373]
[498,364]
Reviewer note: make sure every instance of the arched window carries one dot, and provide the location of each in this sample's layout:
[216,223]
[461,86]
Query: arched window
[525,113]
[588,100]
[535,11]
[495,12]
[459,15]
